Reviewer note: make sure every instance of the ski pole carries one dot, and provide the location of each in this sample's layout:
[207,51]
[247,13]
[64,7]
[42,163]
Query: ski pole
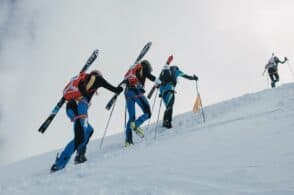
[267,78]
[290,68]
[125,119]
[268,82]
[152,109]
[151,92]
[201,107]
[107,124]
[157,119]
[263,72]
[114,97]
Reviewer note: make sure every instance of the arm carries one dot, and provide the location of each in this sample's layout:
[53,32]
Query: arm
[151,77]
[192,77]
[285,59]
[188,77]
[103,83]
[279,61]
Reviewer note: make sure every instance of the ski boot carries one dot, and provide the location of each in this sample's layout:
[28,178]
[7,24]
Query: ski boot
[138,130]
[167,124]
[80,158]
[54,167]
[128,143]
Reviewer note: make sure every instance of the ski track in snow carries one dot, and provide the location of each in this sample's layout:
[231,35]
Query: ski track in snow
[245,147]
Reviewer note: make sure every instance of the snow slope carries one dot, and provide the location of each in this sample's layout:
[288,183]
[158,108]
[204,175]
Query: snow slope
[245,147]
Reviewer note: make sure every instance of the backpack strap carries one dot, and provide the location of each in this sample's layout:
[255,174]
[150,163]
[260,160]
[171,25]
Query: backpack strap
[80,116]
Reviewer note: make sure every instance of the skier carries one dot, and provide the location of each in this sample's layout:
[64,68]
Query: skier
[79,97]
[272,68]
[134,93]
[168,77]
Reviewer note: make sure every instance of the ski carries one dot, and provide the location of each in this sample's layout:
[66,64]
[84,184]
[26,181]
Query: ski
[140,56]
[170,58]
[60,103]
[143,52]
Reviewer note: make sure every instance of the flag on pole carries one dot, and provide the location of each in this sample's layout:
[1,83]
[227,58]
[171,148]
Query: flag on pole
[198,104]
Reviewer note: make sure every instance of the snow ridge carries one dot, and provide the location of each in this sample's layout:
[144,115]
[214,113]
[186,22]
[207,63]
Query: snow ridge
[245,147]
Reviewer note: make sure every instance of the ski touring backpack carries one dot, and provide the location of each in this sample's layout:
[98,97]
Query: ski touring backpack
[169,75]
[131,76]
[71,90]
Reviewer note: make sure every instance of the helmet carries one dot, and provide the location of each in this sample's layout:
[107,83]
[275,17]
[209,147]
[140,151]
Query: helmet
[146,66]
[96,73]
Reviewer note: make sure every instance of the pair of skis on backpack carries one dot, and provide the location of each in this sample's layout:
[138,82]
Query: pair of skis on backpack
[89,62]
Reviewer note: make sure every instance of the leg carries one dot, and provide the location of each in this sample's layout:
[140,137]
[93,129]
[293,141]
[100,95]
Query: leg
[82,136]
[85,131]
[135,124]
[82,147]
[64,157]
[169,99]
[165,112]
[145,107]
[71,110]
[132,115]
[274,78]
[277,76]
[271,75]
[79,132]
[72,146]
[62,160]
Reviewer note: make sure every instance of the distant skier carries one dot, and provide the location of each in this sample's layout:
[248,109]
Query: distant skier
[168,77]
[78,94]
[272,68]
[134,93]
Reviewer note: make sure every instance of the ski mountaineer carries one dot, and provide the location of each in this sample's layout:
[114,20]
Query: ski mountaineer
[78,95]
[168,77]
[272,68]
[134,94]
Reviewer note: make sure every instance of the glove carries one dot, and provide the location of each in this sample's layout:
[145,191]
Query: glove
[119,89]
[157,81]
[195,77]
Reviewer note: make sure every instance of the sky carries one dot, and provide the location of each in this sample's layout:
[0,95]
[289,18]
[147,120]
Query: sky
[44,43]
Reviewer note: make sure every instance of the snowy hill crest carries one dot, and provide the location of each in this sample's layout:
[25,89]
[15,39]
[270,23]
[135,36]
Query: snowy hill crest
[245,147]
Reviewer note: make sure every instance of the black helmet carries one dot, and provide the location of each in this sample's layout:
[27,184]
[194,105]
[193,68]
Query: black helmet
[146,66]
[96,73]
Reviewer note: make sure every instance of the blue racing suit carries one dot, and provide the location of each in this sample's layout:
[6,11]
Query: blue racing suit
[169,77]
[135,95]
[78,113]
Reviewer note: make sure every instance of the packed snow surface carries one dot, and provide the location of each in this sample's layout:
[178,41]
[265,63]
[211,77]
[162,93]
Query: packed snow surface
[246,146]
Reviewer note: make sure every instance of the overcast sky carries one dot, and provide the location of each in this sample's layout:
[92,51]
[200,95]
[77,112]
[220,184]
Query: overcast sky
[43,43]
